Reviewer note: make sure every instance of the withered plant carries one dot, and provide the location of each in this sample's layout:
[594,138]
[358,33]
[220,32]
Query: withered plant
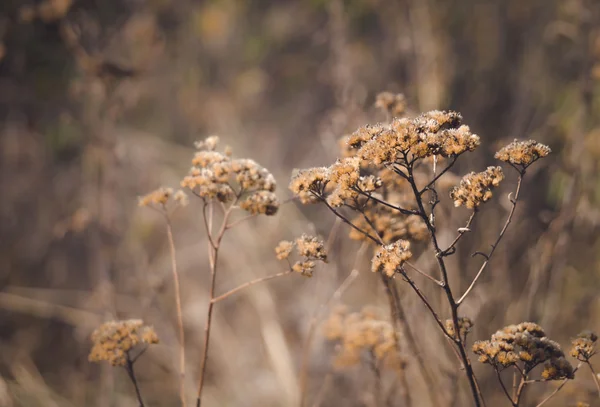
[387,186]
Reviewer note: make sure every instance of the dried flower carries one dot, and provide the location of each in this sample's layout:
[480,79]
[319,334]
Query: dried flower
[305,267]
[284,249]
[310,248]
[306,183]
[525,343]
[523,153]
[584,346]
[261,202]
[476,188]
[113,340]
[389,258]
[464,327]
[394,104]
[365,332]
[158,197]
[213,176]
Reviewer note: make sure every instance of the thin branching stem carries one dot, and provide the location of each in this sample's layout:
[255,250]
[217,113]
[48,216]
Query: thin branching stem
[384,203]
[594,375]
[477,396]
[421,272]
[438,176]
[131,373]
[544,401]
[461,232]
[250,283]
[504,387]
[179,312]
[214,246]
[488,256]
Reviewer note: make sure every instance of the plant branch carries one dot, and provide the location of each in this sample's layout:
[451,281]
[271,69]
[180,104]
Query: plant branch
[131,374]
[435,178]
[495,245]
[594,375]
[541,403]
[179,312]
[248,284]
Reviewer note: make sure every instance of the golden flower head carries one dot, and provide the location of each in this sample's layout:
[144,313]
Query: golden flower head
[584,346]
[523,153]
[476,188]
[394,104]
[362,332]
[310,248]
[113,340]
[158,197]
[389,258]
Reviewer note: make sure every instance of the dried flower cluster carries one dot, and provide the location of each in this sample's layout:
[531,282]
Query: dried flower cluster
[584,346]
[393,104]
[436,133]
[389,258]
[310,248]
[161,196]
[362,333]
[525,343]
[464,327]
[475,188]
[113,340]
[523,153]
[216,175]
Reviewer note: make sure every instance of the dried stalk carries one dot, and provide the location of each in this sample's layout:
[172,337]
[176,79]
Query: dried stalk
[179,312]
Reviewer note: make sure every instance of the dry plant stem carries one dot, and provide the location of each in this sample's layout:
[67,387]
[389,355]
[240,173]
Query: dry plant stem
[541,403]
[179,312]
[397,312]
[131,374]
[214,245]
[594,376]
[477,396]
[495,245]
[250,283]
[313,325]
[376,379]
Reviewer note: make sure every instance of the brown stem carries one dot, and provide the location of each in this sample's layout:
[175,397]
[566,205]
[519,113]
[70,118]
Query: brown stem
[495,245]
[476,393]
[451,248]
[313,324]
[214,245]
[504,387]
[522,385]
[594,375]
[179,312]
[250,283]
[415,268]
[541,403]
[131,374]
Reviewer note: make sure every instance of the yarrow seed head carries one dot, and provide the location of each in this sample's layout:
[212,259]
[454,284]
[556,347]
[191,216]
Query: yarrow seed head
[584,346]
[389,258]
[464,327]
[394,104]
[525,343]
[158,197]
[213,176]
[523,153]
[362,332]
[113,340]
[310,248]
[476,188]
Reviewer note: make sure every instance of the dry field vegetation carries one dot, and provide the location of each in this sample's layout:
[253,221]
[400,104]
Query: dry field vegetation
[304,203]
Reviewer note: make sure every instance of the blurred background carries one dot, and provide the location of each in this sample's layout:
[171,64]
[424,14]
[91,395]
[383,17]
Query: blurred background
[101,101]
